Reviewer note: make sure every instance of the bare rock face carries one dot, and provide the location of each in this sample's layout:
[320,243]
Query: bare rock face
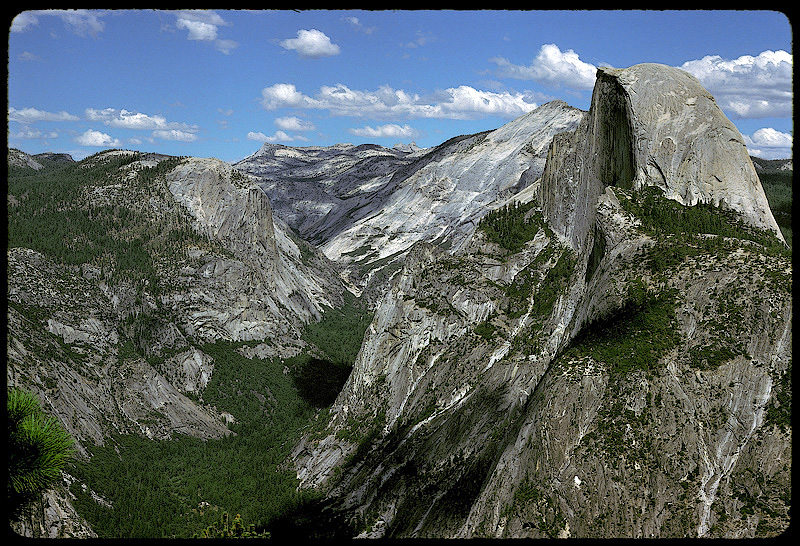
[18,158]
[606,379]
[52,516]
[227,207]
[651,125]
[268,269]
[365,206]
[448,190]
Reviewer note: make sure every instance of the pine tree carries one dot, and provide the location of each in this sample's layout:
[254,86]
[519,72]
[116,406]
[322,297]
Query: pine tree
[38,448]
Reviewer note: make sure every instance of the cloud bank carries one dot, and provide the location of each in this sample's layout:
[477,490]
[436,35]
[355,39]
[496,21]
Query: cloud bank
[462,102]
[749,86]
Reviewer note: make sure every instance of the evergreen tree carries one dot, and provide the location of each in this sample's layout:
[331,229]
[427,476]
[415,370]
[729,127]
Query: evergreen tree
[231,529]
[38,448]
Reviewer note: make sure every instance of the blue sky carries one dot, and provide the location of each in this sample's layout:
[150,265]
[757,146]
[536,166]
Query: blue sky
[221,83]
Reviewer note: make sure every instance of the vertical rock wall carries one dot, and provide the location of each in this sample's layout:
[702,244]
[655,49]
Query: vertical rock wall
[650,125]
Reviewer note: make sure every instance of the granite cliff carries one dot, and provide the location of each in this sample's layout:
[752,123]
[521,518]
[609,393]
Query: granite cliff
[619,374]
[371,204]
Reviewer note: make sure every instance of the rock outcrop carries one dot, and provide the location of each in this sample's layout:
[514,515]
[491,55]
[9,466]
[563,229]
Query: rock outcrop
[608,379]
[365,206]
[650,125]
[277,269]
[229,208]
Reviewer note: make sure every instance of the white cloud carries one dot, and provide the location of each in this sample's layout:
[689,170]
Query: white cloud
[748,87]
[198,30]
[461,102]
[96,138]
[293,123]
[24,21]
[284,94]
[29,133]
[464,100]
[768,143]
[258,137]
[357,25]
[551,67]
[311,44]
[203,25]
[125,119]
[32,115]
[226,46]
[80,22]
[386,131]
[175,134]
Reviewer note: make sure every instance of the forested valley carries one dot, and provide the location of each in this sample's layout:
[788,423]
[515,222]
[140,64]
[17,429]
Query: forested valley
[81,213]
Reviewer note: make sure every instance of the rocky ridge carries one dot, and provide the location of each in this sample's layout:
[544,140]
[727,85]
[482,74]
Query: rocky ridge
[611,378]
[253,281]
[378,202]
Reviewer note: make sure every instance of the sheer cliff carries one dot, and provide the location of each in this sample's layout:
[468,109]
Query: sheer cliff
[608,356]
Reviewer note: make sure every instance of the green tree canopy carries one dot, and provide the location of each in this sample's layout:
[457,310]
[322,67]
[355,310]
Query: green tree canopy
[38,448]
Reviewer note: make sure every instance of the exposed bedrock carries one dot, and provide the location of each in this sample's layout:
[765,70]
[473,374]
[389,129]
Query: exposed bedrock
[650,125]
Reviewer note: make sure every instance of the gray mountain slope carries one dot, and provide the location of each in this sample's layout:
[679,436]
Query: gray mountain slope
[378,202]
[242,276]
[615,377]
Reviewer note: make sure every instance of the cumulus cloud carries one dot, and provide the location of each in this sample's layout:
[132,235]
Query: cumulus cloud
[551,67]
[749,86]
[768,143]
[198,30]
[80,22]
[125,119]
[390,130]
[311,44]
[284,94]
[137,121]
[32,115]
[97,138]
[466,101]
[175,134]
[203,25]
[293,123]
[257,136]
[461,102]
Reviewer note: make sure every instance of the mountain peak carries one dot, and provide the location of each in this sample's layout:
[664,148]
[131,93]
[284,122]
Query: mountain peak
[651,125]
